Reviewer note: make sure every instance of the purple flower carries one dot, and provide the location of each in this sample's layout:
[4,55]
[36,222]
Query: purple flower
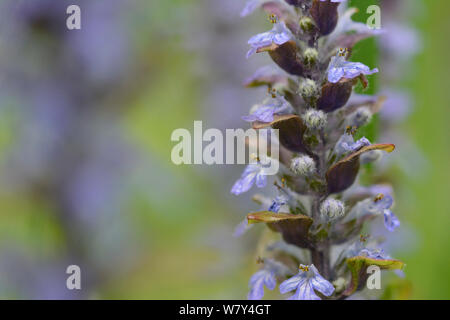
[369,250]
[403,41]
[277,203]
[303,24]
[381,206]
[279,34]
[373,253]
[266,111]
[396,107]
[340,68]
[347,144]
[381,188]
[391,221]
[253,174]
[242,228]
[359,191]
[305,282]
[257,282]
[251,6]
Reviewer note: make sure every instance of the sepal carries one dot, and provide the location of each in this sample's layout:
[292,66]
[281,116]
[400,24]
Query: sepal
[341,175]
[293,227]
[291,130]
[285,56]
[358,267]
[335,95]
[325,15]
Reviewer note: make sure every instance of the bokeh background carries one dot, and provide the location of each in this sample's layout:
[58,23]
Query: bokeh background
[85,123]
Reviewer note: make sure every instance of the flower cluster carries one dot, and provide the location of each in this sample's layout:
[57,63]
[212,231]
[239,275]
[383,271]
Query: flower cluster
[320,209]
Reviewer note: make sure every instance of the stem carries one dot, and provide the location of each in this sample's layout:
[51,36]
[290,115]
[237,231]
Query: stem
[320,254]
[321,259]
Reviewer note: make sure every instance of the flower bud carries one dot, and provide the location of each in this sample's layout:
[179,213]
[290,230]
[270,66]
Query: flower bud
[340,284]
[332,209]
[303,165]
[315,119]
[361,117]
[309,89]
[306,24]
[311,56]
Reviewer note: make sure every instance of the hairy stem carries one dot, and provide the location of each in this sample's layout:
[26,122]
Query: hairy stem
[320,254]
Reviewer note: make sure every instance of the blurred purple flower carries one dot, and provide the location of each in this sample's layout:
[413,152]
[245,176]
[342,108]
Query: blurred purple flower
[102,44]
[251,6]
[397,106]
[257,282]
[400,40]
[266,111]
[253,174]
[390,220]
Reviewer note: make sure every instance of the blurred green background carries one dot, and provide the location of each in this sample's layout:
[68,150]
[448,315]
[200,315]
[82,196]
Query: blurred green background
[427,126]
[171,235]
